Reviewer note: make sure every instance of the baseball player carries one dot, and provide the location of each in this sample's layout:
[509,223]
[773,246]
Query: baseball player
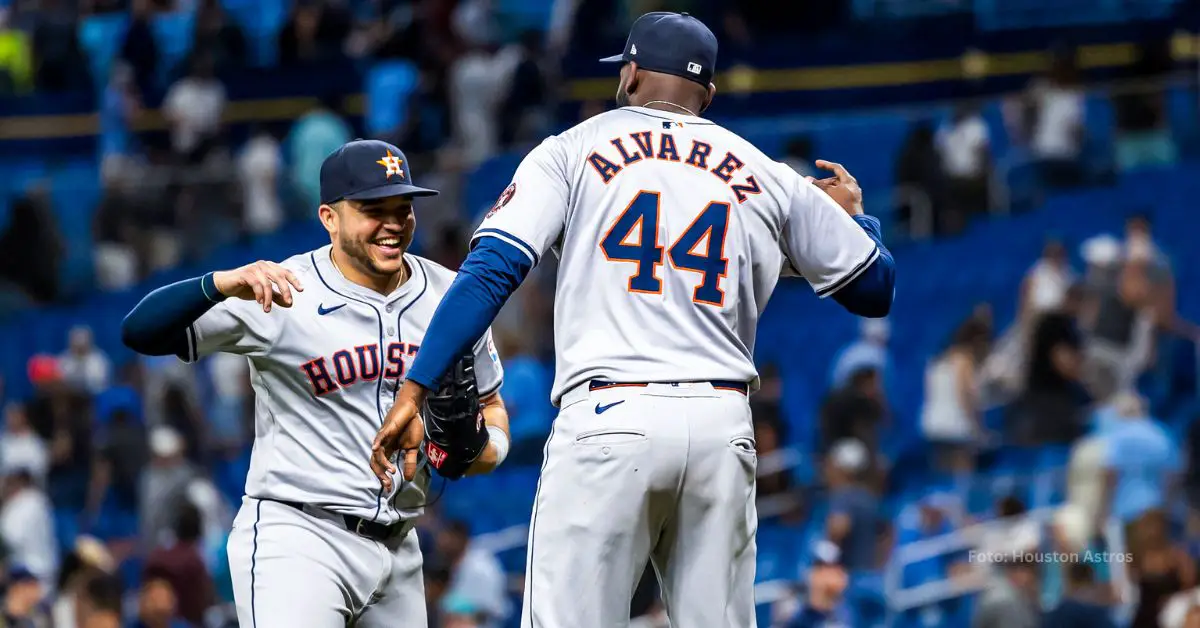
[672,232]
[330,334]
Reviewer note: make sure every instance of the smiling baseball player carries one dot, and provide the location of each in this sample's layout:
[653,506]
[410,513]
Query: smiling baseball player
[318,542]
[672,233]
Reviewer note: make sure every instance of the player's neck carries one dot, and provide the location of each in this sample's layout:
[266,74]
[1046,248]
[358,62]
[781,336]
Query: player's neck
[674,105]
[383,284]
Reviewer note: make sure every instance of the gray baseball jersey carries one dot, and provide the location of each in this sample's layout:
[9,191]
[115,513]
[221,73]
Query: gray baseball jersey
[325,372]
[672,233]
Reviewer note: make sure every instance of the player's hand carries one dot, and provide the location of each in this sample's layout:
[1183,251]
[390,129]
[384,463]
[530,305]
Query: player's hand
[262,281]
[402,431]
[842,187]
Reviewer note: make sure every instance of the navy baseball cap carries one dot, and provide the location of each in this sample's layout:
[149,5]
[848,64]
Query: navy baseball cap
[671,43]
[826,552]
[367,169]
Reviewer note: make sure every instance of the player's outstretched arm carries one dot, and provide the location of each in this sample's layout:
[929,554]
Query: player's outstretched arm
[158,324]
[490,274]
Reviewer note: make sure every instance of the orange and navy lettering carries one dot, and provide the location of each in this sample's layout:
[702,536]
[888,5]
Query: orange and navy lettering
[727,167]
[358,365]
[699,154]
[625,156]
[666,148]
[645,143]
[741,191]
[605,168]
[621,156]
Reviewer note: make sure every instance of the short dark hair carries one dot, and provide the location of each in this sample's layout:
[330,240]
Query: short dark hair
[1010,506]
[104,591]
[188,523]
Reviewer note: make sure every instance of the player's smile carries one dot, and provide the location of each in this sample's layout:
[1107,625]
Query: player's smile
[389,247]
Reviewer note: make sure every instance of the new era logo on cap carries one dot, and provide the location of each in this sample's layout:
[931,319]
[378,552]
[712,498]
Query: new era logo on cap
[672,43]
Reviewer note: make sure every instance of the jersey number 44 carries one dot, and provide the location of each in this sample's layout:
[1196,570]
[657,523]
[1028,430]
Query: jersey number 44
[699,249]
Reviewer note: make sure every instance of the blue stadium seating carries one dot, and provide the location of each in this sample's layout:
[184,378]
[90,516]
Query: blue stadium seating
[101,37]
[389,84]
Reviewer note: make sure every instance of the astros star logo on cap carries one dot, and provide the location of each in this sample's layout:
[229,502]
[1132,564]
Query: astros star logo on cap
[392,163]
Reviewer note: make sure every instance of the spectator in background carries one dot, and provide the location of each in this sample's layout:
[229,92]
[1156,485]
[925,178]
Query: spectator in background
[84,366]
[824,605]
[856,410]
[140,48]
[100,604]
[951,417]
[21,447]
[919,179]
[120,105]
[31,234]
[60,66]
[1051,409]
[1081,606]
[853,523]
[1045,286]
[258,171]
[1141,464]
[181,565]
[523,114]
[163,486]
[476,575]
[1117,313]
[157,603]
[869,351]
[477,81]
[314,33]
[437,580]
[23,596]
[227,412]
[16,58]
[1010,601]
[27,527]
[120,457]
[963,145]
[89,560]
[215,35]
[121,245]
[313,137]
[768,443]
[1055,121]
[1160,569]
[193,107]
[798,155]
[1143,137]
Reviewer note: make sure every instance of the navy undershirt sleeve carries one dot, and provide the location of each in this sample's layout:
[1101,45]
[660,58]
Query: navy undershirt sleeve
[158,324]
[871,293]
[490,274]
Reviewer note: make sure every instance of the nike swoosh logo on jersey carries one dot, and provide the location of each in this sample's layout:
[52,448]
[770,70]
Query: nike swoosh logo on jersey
[322,310]
[602,409]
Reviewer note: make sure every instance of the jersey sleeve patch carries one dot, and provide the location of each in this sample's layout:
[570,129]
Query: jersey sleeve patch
[505,196]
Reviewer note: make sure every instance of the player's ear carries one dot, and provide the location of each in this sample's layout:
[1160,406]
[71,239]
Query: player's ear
[712,93]
[328,215]
[631,83]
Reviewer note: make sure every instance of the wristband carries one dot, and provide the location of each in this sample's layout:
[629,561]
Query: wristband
[208,285]
[497,437]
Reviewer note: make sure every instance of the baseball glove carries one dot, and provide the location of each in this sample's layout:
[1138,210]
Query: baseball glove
[454,431]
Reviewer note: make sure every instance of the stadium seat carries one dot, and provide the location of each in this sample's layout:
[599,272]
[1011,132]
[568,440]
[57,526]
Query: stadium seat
[173,32]
[101,37]
[388,87]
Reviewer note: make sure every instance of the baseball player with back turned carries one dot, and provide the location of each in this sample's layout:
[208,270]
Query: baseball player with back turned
[672,233]
[330,333]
